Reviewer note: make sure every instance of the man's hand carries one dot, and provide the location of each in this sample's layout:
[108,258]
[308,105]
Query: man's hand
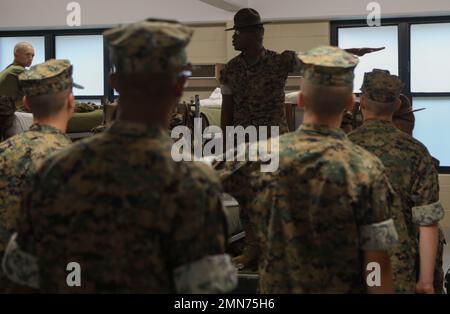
[383,259]
[248,257]
[362,51]
[428,246]
[424,288]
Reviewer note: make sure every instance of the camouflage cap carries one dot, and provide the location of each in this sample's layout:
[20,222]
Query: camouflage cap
[150,46]
[327,65]
[47,78]
[381,86]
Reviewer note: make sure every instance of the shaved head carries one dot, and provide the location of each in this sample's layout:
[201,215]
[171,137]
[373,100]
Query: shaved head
[23,54]
[380,108]
[377,110]
[46,106]
[156,86]
[144,95]
[326,101]
[22,46]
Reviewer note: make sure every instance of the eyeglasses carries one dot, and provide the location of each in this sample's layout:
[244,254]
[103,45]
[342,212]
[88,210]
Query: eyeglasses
[185,73]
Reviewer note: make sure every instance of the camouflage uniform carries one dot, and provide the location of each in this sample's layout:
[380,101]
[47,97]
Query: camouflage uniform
[328,200]
[241,180]
[117,203]
[20,158]
[411,172]
[258,88]
[83,107]
[404,120]
[23,154]
[10,95]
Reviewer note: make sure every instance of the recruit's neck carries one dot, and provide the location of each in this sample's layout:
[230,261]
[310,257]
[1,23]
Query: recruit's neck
[370,116]
[331,121]
[58,123]
[155,113]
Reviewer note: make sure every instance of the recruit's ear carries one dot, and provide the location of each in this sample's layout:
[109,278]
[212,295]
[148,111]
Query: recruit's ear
[351,103]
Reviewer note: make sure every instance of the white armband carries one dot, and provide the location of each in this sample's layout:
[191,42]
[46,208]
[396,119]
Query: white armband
[212,274]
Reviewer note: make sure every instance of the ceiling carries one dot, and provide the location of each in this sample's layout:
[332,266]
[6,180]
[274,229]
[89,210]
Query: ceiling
[30,14]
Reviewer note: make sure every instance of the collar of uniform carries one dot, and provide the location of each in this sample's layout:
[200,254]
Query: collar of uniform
[323,130]
[44,128]
[262,57]
[15,64]
[378,123]
[134,129]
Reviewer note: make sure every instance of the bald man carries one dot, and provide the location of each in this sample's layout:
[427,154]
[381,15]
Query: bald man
[10,91]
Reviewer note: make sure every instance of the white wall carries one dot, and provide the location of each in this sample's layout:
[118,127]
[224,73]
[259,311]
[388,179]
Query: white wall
[34,14]
[341,9]
[52,13]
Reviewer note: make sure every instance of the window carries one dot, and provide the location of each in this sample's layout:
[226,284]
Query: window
[430,86]
[430,51]
[7,49]
[85,52]
[358,37]
[432,126]
[417,50]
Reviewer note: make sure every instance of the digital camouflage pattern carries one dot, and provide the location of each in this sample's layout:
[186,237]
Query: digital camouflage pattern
[182,115]
[258,88]
[47,78]
[241,179]
[131,217]
[82,107]
[150,46]
[7,109]
[347,122]
[328,200]
[110,113]
[134,219]
[20,158]
[381,86]
[414,178]
[329,66]
[404,120]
